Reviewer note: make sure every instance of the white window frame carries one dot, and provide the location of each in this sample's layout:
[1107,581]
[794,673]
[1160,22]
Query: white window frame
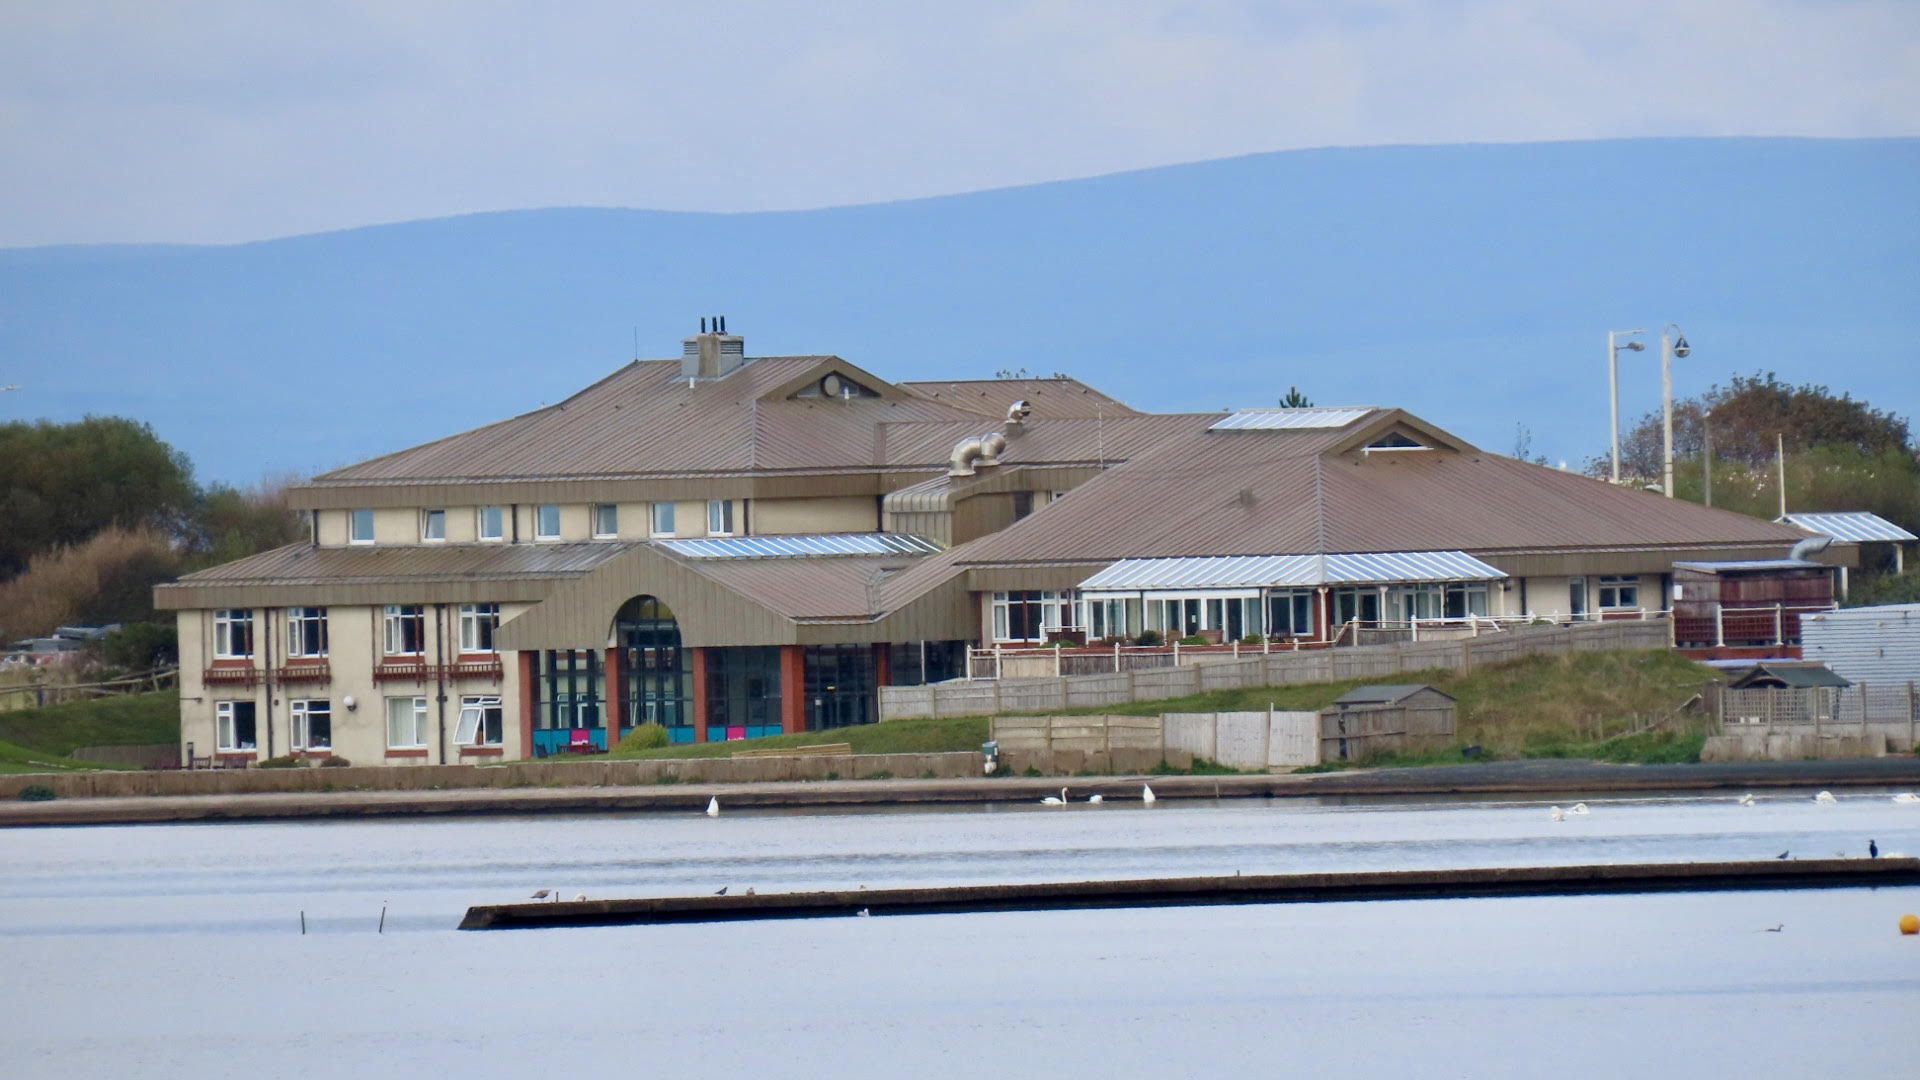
[1613,585]
[394,638]
[304,709]
[719,517]
[1057,612]
[223,728]
[306,633]
[354,517]
[472,618]
[433,526]
[612,524]
[499,532]
[539,521]
[655,514]
[472,728]
[226,622]
[406,712]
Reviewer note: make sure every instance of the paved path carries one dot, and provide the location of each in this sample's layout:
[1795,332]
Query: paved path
[1545,779]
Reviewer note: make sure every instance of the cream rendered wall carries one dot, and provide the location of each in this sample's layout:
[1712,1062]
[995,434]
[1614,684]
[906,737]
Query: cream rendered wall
[333,527]
[635,524]
[196,708]
[396,525]
[462,525]
[690,518]
[1550,596]
[853,513]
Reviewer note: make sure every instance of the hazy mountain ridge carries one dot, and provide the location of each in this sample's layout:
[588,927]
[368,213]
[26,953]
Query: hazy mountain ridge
[1472,284]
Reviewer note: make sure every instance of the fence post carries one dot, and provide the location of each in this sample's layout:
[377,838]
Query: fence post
[1779,637]
[1719,625]
[1116,656]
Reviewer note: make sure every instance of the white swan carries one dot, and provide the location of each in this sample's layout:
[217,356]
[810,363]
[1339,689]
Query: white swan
[1055,800]
[1906,797]
[1146,795]
[1578,808]
[1096,799]
[1745,800]
[1556,813]
[713,807]
[1825,797]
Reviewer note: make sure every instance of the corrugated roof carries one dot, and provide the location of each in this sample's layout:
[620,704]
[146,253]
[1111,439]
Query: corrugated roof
[1855,526]
[1272,571]
[1051,399]
[1748,565]
[804,589]
[800,546]
[303,564]
[1386,693]
[1081,439]
[1287,419]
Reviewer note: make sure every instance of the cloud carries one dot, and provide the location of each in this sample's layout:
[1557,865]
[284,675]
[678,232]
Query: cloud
[210,121]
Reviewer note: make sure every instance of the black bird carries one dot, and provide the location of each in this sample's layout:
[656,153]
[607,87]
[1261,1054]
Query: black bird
[1782,855]
[1873,850]
[722,891]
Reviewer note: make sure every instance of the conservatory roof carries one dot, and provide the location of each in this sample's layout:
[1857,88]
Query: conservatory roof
[1267,571]
[1856,526]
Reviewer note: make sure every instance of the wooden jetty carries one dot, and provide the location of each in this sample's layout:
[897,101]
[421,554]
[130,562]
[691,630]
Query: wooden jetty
[1237,889]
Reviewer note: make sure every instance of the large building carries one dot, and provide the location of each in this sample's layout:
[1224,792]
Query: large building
[734,546]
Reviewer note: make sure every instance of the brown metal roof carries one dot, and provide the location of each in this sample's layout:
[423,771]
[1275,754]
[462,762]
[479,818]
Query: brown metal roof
[1051,399]
[804,588]
[303,564]
[1078,439]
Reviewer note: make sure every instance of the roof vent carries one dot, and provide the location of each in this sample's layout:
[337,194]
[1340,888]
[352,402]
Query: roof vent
[712,353]
[1017,414]
[977,452]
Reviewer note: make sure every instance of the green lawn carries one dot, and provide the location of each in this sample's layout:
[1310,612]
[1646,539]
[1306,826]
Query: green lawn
[125,720]
[891,737]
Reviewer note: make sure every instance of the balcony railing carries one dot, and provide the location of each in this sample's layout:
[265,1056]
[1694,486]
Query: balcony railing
[401,669]
[487,667]
[234,675]
[303,671]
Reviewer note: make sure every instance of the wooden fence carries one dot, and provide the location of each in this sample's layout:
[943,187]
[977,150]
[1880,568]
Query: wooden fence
[1264,739]
[1886,710]
[35,694]
[997,697]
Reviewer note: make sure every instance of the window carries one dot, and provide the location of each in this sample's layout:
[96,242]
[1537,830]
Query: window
[477,624]
[306,631]
[406,630]
[1022,504]
[234,724]
[1577,597]
[663,519]
[606,521]
[1464,599]
[406,723]
[719,517]
[480,722]
[1619,591]
[362,529]
[1290,613]
[489,524]
[233,634]
[433,525]
[1027,616]
[313,725]
[546,522]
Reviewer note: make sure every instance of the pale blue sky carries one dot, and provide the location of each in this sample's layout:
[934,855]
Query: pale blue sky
[124,120]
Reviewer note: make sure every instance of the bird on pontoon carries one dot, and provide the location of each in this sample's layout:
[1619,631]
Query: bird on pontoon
[542,894]
[713,807]
[1055,800]
[580,897]
[1873,850]
[1146,795]
[1825,797]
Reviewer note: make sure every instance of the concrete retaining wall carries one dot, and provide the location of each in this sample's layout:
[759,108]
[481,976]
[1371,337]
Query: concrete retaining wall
[1800,746]
[513,774]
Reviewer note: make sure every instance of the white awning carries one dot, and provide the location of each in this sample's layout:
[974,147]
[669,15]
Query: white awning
[1852,526]
[800,546]
[1277,571]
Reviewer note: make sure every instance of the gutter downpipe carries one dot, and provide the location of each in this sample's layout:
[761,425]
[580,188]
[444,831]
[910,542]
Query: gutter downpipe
[440,678]
[266,675]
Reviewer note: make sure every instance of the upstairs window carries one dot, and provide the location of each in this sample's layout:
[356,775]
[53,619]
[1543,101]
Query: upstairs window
[477,625]
[490,524]
[546,522]
[406,626]
[362,528]
[306,631]
[719,517]
[433,525]
[233,634]
[606,521]
[663,519]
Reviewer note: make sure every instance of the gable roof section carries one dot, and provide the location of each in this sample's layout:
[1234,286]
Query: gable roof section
[1052,399]
[420,573]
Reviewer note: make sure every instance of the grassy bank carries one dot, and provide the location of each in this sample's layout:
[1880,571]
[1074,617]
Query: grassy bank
[47,735]
[892,737]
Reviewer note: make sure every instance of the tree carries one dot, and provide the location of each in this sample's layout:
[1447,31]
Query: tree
[1295,399]
[62,483]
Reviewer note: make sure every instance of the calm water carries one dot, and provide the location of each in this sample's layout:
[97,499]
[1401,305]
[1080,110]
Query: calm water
[174,951]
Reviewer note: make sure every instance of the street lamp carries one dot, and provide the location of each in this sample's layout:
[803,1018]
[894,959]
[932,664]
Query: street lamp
[1672,343]
[1706,450]
[1613,385]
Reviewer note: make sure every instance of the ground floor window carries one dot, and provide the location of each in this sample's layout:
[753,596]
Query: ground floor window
[1362,604]
[743,692]
[1290,613]
[916,663]
[1619,591]
[572,688]
[313,724]
[234,723]
[1112,617]
[1465,598]
[839,686]
[1228,617]
[406,723]
[481,721]
[1027,616]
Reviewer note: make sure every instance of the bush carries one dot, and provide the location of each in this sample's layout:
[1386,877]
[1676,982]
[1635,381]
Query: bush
[334,761]
[1195,639]
[284,761]
[1148,637]
[36,793]
[645,737]
[1252,639]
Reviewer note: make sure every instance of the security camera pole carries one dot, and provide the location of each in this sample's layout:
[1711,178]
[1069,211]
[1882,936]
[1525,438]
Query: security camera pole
[1672,343]
[1613,385]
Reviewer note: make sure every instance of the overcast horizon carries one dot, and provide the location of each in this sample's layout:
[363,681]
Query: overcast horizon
[222,123]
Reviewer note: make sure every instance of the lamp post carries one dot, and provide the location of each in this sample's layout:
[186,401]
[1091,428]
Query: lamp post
[1672,343]
[1613,387]
[1706,450]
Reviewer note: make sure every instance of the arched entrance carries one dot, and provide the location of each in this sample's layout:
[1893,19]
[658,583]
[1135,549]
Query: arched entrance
[655,671]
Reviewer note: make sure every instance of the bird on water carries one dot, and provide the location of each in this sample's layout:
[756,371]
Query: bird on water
[1055,800]
[713,807]
[1825,798]
[1556,813]
[1578,808]
[1146,795]
[1746,800]
[1096,798]
[1776,928]
[1906,798]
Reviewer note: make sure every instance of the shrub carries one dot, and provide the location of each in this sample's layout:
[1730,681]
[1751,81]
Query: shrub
[1251,639]
[334,761]
[36,793]
[645,737]
[1148,637]
[284,761]
[1195,639]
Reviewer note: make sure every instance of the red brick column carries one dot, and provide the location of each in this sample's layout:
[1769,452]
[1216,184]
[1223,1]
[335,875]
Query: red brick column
[697,693]
[793,690]
[882,664]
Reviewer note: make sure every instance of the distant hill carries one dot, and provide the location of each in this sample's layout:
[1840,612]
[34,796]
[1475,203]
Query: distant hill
[1472,284]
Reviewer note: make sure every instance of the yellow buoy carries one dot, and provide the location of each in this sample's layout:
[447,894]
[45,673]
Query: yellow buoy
[1910,923]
